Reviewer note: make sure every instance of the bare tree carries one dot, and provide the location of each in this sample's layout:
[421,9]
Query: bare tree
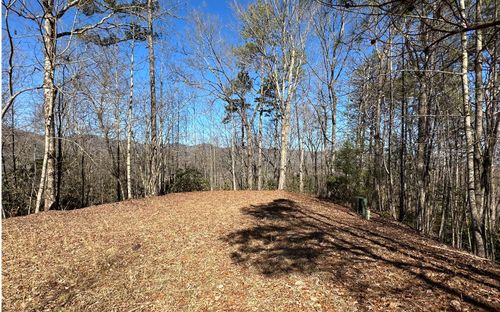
[282,50]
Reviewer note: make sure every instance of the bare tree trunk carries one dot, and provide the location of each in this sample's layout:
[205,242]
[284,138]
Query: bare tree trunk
[392,208]
[233,156]
[129,119]
[10,75]
[492,139]
[285,129]
[301,154]
[476,212]
[422,140]
[33,182]
[377,137]
[153,166]
[259,159]
[83,201]
[421,166]
[213,178]
[483,156]
[402,152]
[243,175]
[161,140]
[250,161]
[479,98]
[47,179]
[119,189]
[334,131]
[216,172]
[60,112]
[276,169]
[316,177]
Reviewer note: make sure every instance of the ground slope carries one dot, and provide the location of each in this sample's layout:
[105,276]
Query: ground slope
[233,251]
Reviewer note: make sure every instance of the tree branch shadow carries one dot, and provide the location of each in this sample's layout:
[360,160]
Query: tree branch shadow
[375,266]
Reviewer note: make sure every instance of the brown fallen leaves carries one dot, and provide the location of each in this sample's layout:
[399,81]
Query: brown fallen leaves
[234,251]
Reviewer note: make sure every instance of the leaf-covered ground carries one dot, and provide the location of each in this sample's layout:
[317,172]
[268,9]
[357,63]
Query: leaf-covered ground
[234,251]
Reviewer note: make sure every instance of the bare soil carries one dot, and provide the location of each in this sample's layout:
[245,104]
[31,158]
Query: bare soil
[234,251]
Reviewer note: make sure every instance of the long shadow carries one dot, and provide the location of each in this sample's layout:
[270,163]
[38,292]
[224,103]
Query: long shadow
[373,266]
[415,249]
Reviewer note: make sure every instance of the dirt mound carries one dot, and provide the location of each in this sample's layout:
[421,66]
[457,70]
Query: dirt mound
[236,251]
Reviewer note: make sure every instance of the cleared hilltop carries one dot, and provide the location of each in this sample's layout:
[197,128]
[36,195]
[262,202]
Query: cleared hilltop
[235,251]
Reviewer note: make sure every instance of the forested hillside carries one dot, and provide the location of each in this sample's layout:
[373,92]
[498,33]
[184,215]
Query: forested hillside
[396,101]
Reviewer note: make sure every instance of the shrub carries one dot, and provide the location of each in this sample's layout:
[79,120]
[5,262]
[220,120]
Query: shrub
[349,179]
[189,180]
[339,188]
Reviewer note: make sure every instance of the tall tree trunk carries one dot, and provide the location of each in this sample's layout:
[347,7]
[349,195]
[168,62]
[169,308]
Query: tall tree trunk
[250,161]
[479,98]
[47,178]
[301,154]
[10,75]
[259,158]
[276,168]
[492,140]
[476,211]
[333,135]
[482,157]
[83,202]
[212,167]
[285,129]
[233,155]
[422,138]
[244,175]
[445,202]
[119,190]
[129,119]
[33,182]
[60,112]
[392,208]
[402,151]
[153,166]
[377,137]
[285,133]
[421,149]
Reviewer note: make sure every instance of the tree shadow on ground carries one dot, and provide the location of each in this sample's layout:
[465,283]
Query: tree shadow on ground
[378,262]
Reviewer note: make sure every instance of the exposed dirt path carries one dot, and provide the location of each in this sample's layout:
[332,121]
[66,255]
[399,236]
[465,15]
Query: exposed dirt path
[234,251]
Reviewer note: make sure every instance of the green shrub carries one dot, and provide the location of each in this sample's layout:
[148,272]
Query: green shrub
[349,179]
[270,184]
[189,180]
[339,188]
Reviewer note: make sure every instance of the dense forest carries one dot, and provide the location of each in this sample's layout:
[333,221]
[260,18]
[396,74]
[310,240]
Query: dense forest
[394,100]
